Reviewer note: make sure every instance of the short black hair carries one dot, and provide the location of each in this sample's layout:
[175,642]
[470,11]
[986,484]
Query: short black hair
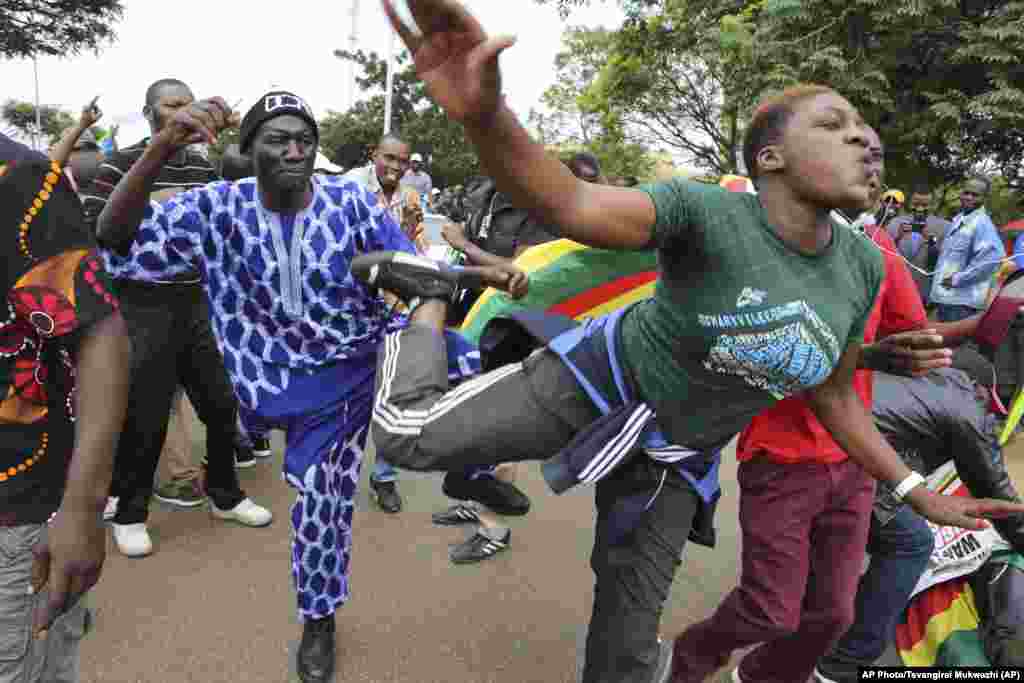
[584,159]
[977,177]
[152,92]
[921,188]
[770,119]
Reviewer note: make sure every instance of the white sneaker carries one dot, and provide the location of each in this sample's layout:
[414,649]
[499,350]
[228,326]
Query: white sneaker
[247,513]
[132,539]
[111,509]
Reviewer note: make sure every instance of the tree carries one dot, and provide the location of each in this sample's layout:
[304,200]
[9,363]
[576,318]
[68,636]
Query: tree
[941,80]
[567,123]
[22,117]
[56,27]
[349,137]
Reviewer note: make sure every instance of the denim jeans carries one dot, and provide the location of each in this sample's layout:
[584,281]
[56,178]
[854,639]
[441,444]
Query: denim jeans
[899,555]
[954,313]
[23,659]
[383,470]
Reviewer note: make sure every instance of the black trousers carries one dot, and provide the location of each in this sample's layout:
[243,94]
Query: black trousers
[528,411]
[172,345]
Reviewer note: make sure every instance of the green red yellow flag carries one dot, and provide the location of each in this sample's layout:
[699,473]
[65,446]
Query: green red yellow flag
[570,279]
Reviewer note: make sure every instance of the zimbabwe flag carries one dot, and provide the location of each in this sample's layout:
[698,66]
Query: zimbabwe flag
[573,280]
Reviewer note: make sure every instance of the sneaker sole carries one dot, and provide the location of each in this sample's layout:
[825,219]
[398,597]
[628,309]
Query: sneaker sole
[177,501]
[263,454]
[244,464]
[226,517]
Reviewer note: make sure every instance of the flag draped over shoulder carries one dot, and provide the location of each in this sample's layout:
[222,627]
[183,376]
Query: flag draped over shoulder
[577,281]
[570,279]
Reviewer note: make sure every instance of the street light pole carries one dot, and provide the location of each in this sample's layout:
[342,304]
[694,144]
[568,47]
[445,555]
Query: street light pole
[389,95]
[39,118]
[353,44]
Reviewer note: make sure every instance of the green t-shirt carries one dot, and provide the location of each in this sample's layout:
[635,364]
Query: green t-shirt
[739,319]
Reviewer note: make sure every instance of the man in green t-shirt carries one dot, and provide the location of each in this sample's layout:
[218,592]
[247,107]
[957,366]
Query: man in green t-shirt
[759,298]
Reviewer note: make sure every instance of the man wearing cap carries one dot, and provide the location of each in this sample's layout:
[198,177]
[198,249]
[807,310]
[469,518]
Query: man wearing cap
[929,420]
[298,332]
[417,178]
[168,319]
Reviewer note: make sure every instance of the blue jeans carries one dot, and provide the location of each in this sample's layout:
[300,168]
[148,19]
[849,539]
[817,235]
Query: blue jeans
[383,470]
[954,313]
[899,555]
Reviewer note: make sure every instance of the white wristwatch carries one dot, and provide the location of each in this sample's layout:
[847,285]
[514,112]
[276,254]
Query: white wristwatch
[912,481]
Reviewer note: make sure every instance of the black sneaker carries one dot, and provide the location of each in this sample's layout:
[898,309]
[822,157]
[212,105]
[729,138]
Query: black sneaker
[410,277]
[244,458]
[500,496]
[386,495]
[460,513]
[261,448]
[833,670]
[478,547]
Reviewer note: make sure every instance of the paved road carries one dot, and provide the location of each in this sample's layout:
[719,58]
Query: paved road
[214,603]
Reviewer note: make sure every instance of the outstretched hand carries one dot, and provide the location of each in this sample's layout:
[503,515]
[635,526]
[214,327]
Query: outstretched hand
[201,121]
[91,114]
[453,54]
[969,513]
[908,353]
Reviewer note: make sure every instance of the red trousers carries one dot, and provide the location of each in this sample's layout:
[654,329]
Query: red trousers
[804,529]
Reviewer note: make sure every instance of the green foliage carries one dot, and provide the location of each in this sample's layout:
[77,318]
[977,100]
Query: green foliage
[22,117]
[348,138]
[56,27]
[941,80]
[572,120]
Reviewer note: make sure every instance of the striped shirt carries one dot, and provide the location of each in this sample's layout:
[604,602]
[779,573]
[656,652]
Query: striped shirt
[188,170]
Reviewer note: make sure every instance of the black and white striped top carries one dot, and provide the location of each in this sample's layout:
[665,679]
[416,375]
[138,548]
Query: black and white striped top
[188,170]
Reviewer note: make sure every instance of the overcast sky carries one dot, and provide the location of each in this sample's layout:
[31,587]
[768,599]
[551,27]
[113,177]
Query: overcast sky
[238,50]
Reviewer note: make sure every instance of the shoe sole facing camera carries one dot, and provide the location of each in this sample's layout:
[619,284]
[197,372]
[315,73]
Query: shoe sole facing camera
[410,276]
[179,502]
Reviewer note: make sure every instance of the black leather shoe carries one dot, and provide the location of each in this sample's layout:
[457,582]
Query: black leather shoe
[315,659]
[386,494]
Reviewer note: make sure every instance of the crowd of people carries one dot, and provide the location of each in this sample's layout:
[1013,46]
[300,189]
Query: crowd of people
[275,296]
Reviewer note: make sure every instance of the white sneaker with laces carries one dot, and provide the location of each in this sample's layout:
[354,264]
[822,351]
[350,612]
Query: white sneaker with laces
[246,513]
[133,539]
[111,509]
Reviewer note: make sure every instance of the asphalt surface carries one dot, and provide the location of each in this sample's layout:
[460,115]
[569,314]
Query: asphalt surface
[214,603]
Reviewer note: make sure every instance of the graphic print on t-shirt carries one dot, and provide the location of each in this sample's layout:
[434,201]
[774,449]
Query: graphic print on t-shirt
[782,349]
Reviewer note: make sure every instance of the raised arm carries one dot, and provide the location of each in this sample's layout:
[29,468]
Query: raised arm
[90,115]
[458,62]
[201,121]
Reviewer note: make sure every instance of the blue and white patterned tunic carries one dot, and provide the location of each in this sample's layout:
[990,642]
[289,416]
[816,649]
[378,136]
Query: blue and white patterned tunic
[282,301]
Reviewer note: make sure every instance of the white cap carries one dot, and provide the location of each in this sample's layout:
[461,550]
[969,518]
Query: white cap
[435,191]
[416,157]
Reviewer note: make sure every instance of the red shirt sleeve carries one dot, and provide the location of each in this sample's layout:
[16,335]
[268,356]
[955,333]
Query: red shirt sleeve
[901,306]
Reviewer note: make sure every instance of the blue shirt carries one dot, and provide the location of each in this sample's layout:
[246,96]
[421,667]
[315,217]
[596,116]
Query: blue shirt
[1018,251]
[971,253]
[282,299]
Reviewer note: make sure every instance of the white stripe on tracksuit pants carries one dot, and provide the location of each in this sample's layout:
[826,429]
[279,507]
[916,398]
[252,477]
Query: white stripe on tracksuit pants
[531,411]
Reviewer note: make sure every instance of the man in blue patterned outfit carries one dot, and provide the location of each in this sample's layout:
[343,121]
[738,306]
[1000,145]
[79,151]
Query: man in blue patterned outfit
[299,334]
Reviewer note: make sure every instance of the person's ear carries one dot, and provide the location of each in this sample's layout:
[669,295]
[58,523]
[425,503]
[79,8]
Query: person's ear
[770,159]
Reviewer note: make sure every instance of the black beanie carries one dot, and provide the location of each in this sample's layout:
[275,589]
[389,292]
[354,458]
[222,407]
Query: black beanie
[272,105]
